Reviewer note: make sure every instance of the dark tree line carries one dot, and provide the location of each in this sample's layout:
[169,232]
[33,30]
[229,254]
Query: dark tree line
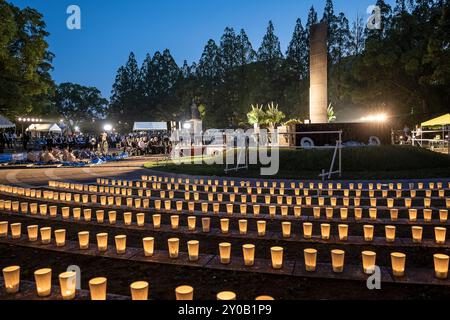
[403,68]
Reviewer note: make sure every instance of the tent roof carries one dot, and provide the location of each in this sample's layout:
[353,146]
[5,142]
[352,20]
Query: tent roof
[439,121]
[44,127]
[5,123]
[148,126]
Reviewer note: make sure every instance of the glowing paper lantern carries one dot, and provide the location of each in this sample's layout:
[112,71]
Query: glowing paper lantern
[192,221]
[368,233]
[193,250]
[398,261]
[11,277]
[149,246]
[112,217]
[43,280]
[373,213]
[337,260]
[175,222]
[16,230]
[32,233]
[225,252]
[443,215]
[243,227]
[369,259]
[307,230]
[277,257]
[358,213]
[226,295]
[261,228]
[83,240]
[390,233]
[121,244]
[60,237]
[256,209]
[325,231]
[100,216]
[343,232]
[417,233]
[329,213]
[249,254]
[440,235]
[310,259]
[184,293]
[412,215]
[174,246]
[286,229]
[67,282]
[139,291]
[225,225]
[156,221]
[3,229]
[206,225]
[441,262]
[394,214]
[46,235]
[140,218]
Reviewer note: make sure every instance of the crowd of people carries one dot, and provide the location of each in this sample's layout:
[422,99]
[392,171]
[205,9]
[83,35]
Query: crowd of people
[72,148]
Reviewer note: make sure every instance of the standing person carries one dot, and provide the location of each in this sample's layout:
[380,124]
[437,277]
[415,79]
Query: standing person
[25,140]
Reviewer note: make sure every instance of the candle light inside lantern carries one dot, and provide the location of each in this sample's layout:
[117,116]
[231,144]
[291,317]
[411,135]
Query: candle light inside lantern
[307,230]
[329,213]
[206,225]
[286,229]
[97,289]
[43,209]
[441,262]
[156,221]
[11,277]
[225,252]
[174,222]
[343,232]
[43,279]
[249,254]
[310,259]
[46,235]
[358,213]
[390,233]
[243,227]
[226,295]
[33,233]
[100,216]
[369,259]
[60,237]
[127,218]
[193,250]
[3,229]
[184,293]
[417,233]
[149,246]
[174,246]
[277,257]
[121,244]
[368,233]
[373,212]
[139,291]
[83,240]
[272,211]
[192,221]
[16,230]
[398,261]
[440,235]
[337,260]
[316,212]
[443,215]
[256,209]
[68,282]
[412,215]
[325,231]
[140,218]
[261,228]
[394,214]
[224,225]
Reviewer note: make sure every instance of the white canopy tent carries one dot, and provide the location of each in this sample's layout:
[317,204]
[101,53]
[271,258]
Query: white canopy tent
[150,126]
[5,123]
[45,127]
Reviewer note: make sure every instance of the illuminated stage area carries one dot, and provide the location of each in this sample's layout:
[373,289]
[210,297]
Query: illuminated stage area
[340,237]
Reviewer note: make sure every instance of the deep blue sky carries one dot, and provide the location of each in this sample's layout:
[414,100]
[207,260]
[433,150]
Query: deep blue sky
[113,28]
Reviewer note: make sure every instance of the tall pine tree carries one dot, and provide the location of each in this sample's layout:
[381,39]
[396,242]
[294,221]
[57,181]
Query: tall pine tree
[297,52]
[270,49]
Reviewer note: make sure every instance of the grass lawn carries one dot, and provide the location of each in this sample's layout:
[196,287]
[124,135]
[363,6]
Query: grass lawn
[386,162]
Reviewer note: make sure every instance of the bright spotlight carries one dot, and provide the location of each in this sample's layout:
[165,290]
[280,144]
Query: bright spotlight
[187,126]
[77,129]
[375,118]
[107,127]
